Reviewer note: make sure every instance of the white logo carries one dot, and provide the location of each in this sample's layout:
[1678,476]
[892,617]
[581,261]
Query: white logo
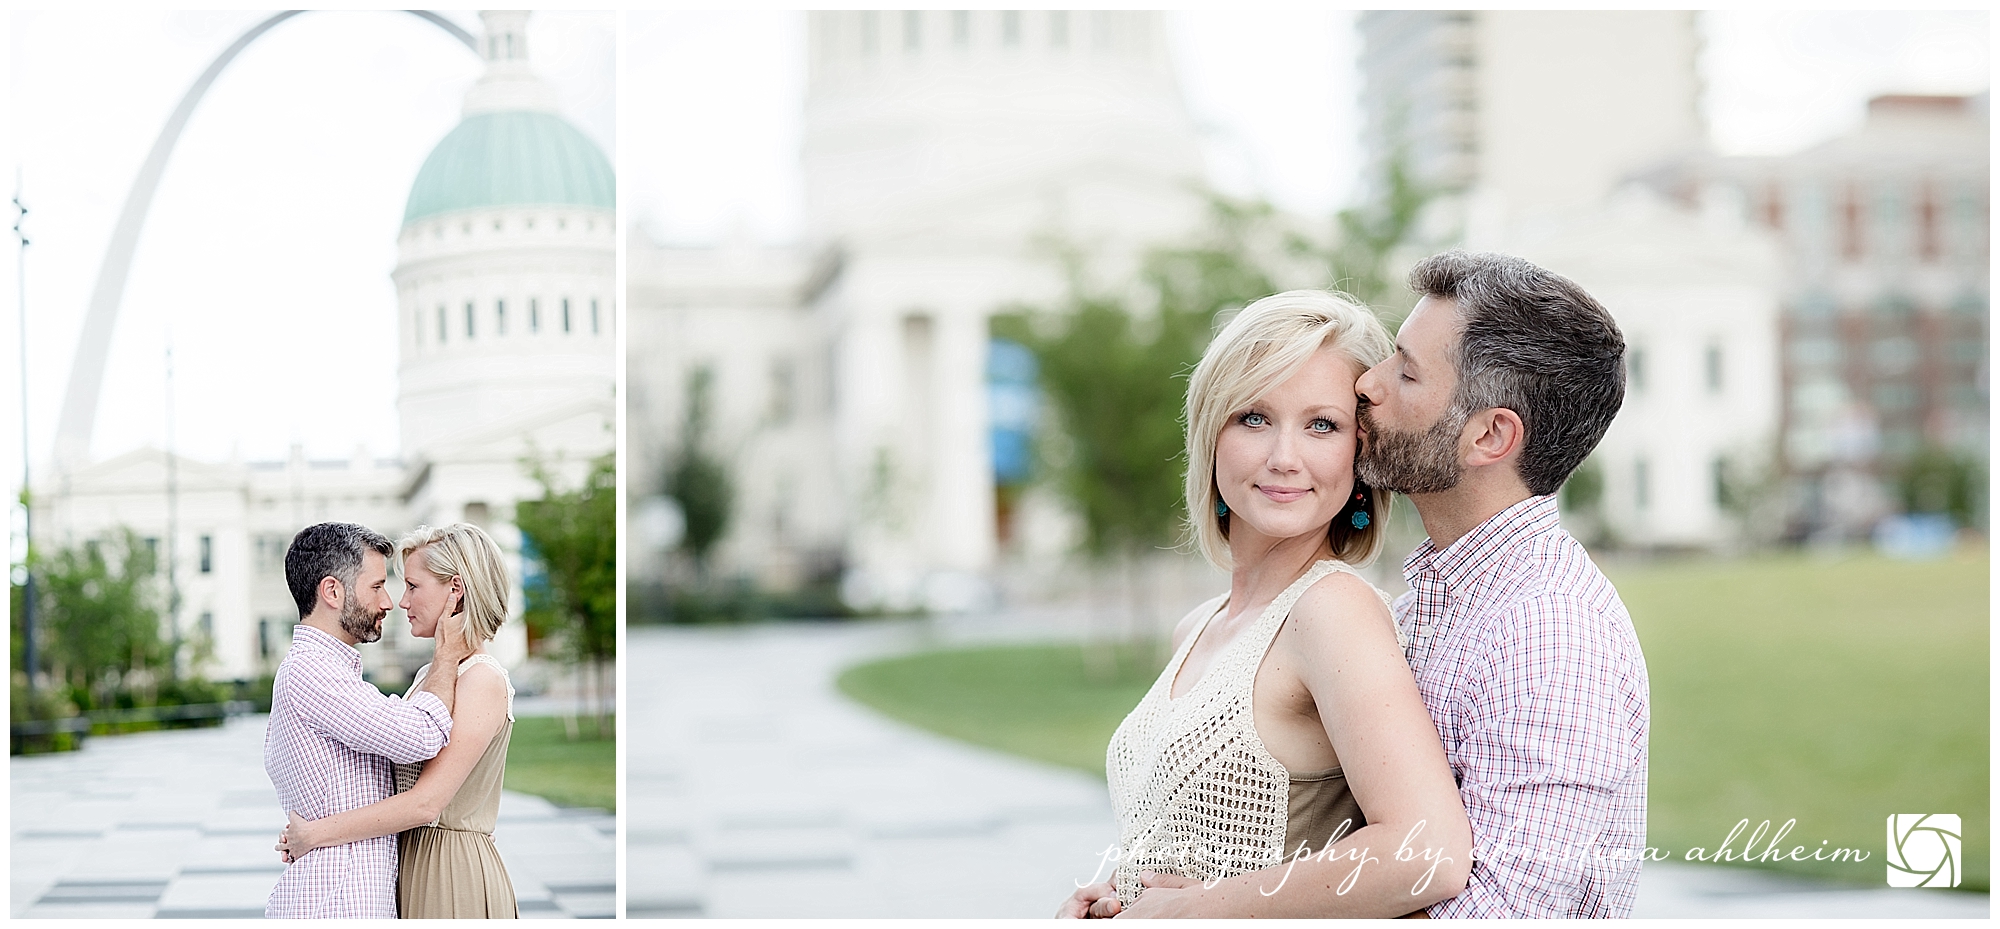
[1924,850]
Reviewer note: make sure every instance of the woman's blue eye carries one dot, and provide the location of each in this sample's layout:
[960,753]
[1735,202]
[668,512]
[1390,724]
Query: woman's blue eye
[1252,419]
[1321,425]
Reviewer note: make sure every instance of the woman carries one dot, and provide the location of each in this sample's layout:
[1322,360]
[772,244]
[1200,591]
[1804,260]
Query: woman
[1286,724]
[455,584]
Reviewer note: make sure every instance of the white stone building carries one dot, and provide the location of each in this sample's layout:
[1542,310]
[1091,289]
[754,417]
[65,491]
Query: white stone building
[944,151]
[506,288]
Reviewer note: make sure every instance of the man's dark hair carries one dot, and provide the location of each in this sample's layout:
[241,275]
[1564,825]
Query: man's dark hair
[325,550]
[1534,343]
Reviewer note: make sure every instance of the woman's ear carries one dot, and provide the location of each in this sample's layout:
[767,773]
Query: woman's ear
[457,595]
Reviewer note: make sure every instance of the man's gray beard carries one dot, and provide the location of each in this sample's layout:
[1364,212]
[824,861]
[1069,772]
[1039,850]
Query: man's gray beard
[1411,462]
[359,621]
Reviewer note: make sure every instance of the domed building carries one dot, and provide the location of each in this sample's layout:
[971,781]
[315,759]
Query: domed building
[504,277]
[504,280]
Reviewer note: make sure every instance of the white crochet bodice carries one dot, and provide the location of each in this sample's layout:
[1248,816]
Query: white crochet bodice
[1195,791]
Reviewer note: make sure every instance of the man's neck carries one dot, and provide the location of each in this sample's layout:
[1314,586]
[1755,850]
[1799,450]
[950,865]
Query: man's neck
[1479,496]
[329,623]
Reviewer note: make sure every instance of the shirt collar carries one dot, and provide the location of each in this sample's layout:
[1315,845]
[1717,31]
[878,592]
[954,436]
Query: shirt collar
[1467,557]
[318,638]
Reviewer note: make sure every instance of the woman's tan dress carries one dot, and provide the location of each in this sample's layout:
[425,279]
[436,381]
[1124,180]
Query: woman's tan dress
[451,869]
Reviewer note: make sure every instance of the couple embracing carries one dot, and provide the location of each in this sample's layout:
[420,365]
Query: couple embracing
[1475,748]
[391,800]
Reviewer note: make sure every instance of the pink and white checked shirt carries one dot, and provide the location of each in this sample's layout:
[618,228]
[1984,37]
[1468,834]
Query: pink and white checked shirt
[327,749]
[1530,668]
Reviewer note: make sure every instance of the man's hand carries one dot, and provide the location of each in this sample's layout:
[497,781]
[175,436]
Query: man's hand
[1166,896]
[1096,901]
[449,647]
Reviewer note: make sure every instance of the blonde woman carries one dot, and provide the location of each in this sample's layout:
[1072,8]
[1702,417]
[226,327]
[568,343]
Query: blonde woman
[455,584]
[1283,764]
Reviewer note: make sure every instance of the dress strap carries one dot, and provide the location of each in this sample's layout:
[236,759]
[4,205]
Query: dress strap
[494,663]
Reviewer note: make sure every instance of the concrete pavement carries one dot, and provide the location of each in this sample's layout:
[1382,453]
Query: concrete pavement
[181,824]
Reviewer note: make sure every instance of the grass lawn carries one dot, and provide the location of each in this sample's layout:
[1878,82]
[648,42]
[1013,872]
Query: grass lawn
[541,760]
[1834,692]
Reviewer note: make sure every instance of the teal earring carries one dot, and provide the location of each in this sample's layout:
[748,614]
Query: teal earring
[1360,518]
[1221,508]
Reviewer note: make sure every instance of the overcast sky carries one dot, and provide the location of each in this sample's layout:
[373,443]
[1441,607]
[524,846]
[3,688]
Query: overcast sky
[268,249]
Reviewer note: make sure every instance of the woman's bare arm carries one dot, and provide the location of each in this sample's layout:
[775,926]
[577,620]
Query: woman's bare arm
[481,708]
[1416,848]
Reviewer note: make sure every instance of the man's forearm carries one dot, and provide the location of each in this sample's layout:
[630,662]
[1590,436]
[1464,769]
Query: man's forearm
[442,683]
[1374,873]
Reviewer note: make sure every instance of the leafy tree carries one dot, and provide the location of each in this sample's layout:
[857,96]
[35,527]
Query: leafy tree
[573,534]
[99,619]
[697,479]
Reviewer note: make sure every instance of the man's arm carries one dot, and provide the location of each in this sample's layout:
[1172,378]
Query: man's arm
[352,712]
[1557,724]
[448,648]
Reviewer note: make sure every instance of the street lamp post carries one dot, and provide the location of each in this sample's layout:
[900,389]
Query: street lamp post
[27,496]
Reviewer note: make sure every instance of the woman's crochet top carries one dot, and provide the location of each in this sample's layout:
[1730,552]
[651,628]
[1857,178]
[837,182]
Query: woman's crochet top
[1195,791]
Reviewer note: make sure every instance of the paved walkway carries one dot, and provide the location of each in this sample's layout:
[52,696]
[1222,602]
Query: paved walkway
[755,790]
[181,824]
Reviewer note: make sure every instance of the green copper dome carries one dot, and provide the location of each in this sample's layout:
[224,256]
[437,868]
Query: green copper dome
[511,159]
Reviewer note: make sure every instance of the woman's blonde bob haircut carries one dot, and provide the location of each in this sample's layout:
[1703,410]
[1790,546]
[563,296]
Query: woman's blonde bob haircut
[464,551]
[1268,342]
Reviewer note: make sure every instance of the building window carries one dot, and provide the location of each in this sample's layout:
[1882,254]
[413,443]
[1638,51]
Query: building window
[961,28]
[565,314]
[1711,364]
[913,30]
[593,317]
[1719,478]
[534,315]
[264,637]
[153,552]
[206,626]
[441,326]
[469,311]
[1642,490]
[499,317]
[417,327]
[208,554]
[1059,29]
[1010,27]
[780,411]
[1635,368]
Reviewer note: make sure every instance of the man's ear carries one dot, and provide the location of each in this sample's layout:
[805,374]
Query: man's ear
[330,592]
[1496,435]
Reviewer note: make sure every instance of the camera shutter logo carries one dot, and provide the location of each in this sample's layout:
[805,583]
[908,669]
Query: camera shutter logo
[1924,849]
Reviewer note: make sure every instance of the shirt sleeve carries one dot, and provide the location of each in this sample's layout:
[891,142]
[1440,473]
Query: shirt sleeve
[1556,726]
[352,712]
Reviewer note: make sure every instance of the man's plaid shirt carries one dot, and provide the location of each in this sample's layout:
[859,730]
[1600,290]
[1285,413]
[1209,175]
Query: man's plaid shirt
[327,749]
[1529,665]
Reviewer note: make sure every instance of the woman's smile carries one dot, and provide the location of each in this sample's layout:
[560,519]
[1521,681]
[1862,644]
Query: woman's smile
[1283,494]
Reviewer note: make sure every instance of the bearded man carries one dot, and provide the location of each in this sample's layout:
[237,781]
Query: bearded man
[332,735]
[1505,377]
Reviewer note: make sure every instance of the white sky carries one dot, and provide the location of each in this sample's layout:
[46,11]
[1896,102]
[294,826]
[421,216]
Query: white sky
[267,250]
[269,246]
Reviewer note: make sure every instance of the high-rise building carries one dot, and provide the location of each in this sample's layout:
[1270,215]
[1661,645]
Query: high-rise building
[1885,324]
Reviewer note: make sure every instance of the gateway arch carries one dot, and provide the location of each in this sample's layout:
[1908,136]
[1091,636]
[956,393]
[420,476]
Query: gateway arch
[86,373]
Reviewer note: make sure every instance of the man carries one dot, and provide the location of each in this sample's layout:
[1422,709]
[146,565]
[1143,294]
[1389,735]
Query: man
[332,735]
[1505,377]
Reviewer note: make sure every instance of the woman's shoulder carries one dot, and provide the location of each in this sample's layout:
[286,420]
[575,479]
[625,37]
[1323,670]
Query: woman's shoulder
[1195,617]
[1341,600]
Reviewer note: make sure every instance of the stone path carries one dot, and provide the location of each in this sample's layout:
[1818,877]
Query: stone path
[753,789]
[181,824]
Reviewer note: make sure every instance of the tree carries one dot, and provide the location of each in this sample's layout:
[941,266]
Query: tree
[697,479]
[99,619]
[574,541]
